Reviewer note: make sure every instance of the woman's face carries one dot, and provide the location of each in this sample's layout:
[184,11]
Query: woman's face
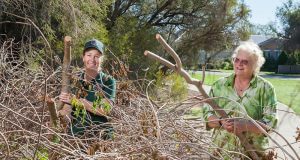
[91,59]
[243,64]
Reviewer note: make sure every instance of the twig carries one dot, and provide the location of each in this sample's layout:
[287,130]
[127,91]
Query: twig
[42,121]
[32,121]
[203,74]
[287,143]
[158,133]
[7,145]
[25,98]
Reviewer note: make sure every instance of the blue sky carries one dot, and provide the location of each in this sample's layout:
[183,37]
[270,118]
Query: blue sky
[263,11]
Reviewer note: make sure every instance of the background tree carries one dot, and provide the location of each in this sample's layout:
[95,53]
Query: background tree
[225,25]
[289,15]
[266,30]
[282,59]
[128,26]
[192,26]
[79,19]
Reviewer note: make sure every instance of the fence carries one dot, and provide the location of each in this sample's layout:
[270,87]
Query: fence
[288,69]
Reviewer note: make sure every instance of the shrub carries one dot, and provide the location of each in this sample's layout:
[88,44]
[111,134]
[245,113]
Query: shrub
[178,86]
[220,64]
[282,59]
[170,86]
[226,66]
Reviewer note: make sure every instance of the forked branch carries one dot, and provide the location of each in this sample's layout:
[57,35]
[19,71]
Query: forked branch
[178,68]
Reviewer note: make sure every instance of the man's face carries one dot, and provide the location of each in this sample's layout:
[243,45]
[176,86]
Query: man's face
[91,59]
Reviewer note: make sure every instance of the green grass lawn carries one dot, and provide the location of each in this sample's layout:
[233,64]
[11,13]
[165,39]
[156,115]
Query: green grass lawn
[261,72]
[209,78]
[287,91]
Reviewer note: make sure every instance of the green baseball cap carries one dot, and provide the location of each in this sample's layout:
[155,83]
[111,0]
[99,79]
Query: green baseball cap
[94,43]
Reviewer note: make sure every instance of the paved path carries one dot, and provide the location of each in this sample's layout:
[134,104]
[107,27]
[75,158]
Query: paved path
[288,123]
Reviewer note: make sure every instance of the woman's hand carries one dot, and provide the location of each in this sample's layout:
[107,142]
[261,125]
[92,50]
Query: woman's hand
[66,97]
[214,121]
[235,126]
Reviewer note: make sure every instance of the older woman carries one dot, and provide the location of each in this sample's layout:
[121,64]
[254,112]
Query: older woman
[95,93]
[242,94]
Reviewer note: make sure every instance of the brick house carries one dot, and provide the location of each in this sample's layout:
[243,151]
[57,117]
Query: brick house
[272,47]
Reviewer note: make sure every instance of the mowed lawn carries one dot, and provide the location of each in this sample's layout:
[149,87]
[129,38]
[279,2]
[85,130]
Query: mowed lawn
[287,91]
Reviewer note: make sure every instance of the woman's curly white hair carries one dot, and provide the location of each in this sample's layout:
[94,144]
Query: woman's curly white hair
[254,51]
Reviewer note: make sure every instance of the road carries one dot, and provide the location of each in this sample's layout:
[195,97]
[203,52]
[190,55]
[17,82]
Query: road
[288,123]
[277,76]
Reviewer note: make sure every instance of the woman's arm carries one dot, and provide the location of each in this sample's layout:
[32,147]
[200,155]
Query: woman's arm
[235,125]
[242,125]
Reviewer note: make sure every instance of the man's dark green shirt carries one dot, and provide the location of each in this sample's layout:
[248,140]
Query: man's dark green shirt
[91,123]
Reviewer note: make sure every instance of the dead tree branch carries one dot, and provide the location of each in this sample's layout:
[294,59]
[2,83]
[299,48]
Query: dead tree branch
[65,80]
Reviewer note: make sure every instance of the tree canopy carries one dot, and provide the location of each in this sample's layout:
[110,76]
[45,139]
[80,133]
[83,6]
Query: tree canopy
[267,30]
[128,27]
[191,26]
[289,15]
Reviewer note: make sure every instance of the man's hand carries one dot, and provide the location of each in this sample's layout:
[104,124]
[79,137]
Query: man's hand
[65,97]
[65,114]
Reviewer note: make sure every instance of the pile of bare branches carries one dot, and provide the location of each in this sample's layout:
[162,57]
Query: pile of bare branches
[23,115]
[142,128]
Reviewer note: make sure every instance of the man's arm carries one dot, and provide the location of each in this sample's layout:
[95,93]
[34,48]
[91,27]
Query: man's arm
[89,107]
[66,98]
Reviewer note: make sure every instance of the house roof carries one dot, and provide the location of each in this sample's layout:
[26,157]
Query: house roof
[267,42]
[272,44]
[257,39]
